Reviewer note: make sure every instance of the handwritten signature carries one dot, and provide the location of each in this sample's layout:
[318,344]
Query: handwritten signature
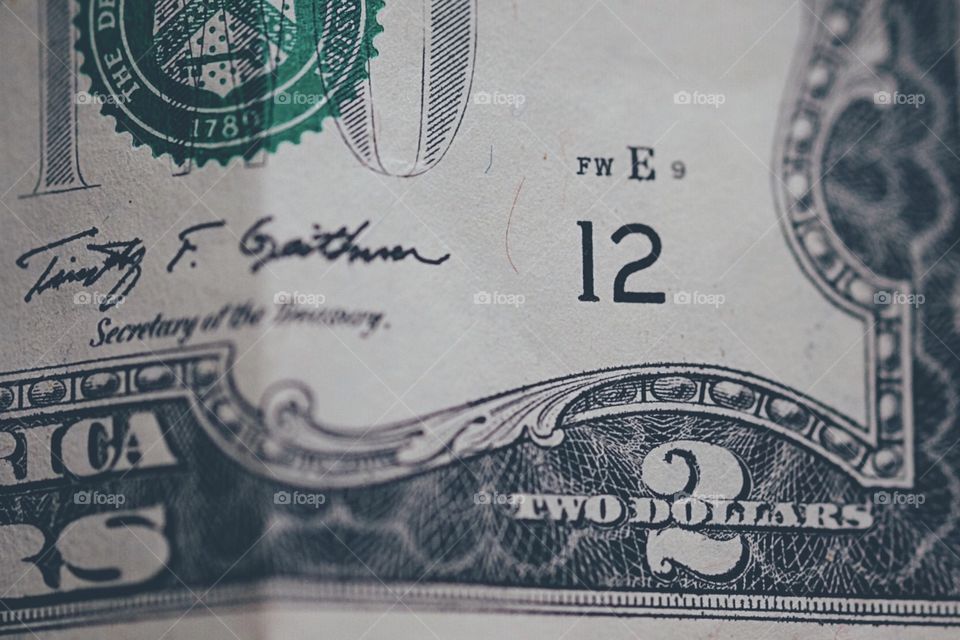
[80,260]
[123,257]
[330,245]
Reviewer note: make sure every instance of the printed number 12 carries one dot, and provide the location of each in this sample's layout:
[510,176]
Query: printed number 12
[620,293]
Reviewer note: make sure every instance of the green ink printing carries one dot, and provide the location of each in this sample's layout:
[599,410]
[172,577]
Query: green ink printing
[208,80]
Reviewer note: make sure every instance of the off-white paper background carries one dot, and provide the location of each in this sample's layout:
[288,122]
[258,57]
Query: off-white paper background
[593,82]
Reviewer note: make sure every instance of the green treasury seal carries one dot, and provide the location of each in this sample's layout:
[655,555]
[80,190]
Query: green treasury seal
[217,79]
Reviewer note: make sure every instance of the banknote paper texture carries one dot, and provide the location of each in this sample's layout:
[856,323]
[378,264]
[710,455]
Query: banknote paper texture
[381,316]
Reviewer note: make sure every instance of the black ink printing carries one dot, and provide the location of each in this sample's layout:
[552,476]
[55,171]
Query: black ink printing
[331,245]
[124,256]
[187,245]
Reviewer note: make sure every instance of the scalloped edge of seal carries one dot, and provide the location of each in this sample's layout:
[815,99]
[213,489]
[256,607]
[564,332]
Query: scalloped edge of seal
[179,153]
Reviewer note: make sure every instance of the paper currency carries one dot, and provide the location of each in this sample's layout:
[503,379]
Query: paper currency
[378,316]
